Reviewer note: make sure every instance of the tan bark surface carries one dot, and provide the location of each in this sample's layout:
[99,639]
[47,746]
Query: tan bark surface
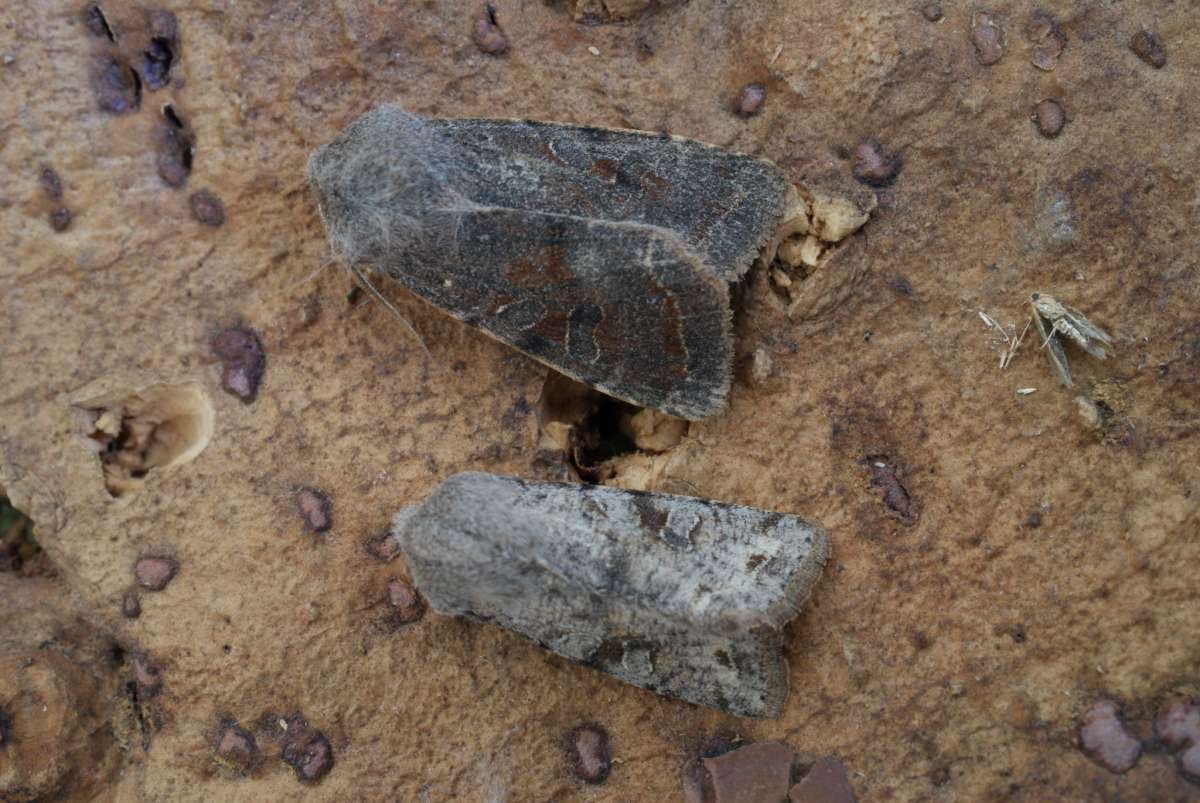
[1029,565]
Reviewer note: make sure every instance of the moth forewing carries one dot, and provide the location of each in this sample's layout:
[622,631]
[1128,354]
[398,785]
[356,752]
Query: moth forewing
[606,254]
[1090,337]
[694,594]
[1054,350]
[1071,323]
[1058,359]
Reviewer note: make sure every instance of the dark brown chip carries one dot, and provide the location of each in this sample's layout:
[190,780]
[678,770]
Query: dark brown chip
[207,208]
[244,360]
[757,772]
[236,747]
[1103,737]
[131,605]
[117,88]
[1050,118]
[383,548]
[309,753]
[1149,49]
[154,573]
[895,496]
[175,145]
[51,183]
[315,509]
[826,782]
[60,218]
[147,676]
[589,753]
[405,601]
[988,36]
[486,31]
[750,100]
[873,165]
[96,23]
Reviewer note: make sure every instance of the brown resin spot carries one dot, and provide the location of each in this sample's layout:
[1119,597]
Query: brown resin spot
[653,184]
[606,169]
[545,266]
[552,326]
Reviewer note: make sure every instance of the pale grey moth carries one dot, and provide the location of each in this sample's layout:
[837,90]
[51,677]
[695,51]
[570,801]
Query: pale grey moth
[685,597]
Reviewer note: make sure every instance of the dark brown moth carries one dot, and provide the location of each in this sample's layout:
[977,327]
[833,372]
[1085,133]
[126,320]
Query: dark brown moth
[606,254]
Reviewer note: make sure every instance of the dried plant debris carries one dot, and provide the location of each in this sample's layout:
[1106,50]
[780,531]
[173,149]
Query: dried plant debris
[1052,319]
[137,430]
[806,239]
[606,254]
[1007,338]
[684,597]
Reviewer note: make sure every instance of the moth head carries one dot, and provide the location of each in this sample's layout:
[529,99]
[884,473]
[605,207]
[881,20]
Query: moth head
[378,182]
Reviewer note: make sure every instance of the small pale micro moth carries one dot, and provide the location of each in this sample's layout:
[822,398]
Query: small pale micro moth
[685,597]
[1052,319]
[606,254]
